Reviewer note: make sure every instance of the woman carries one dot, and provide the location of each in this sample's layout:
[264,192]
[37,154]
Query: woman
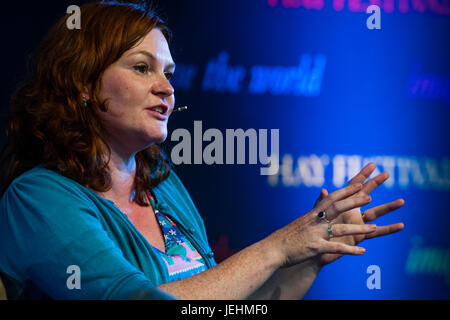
[90,208]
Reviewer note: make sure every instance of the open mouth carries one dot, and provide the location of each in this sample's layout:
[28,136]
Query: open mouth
[161,109]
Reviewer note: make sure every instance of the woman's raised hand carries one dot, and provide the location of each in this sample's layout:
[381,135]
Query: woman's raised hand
[354,216]
[309,235]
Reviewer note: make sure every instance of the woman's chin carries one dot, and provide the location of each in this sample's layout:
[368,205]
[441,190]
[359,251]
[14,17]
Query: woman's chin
[159,138]
[145,139]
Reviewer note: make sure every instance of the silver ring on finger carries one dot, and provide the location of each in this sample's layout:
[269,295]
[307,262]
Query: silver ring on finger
[330,230]
[323,215]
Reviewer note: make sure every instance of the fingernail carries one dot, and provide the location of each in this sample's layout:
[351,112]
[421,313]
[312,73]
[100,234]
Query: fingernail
[362,250]
[367,198]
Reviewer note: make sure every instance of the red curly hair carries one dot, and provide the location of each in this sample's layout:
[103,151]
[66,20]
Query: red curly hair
[48,123]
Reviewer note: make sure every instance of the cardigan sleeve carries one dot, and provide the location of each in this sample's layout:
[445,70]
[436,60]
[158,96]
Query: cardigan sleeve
[52,237]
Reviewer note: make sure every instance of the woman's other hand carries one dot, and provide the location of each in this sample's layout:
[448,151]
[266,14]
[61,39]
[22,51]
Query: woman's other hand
[354,216]
[308,236]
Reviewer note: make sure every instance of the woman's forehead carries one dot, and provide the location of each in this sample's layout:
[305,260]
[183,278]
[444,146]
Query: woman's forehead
[155,46]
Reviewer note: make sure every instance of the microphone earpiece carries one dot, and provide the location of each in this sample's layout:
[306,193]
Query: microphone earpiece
[180,108]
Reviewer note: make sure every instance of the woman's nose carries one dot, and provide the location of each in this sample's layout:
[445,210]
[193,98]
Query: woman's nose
[163,87]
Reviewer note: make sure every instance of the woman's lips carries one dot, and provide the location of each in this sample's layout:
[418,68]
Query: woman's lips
[157,115]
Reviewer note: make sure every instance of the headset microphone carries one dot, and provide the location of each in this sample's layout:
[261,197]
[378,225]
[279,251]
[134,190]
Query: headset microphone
[180,108]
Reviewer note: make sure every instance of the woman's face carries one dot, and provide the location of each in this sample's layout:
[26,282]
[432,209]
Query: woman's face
[134,85]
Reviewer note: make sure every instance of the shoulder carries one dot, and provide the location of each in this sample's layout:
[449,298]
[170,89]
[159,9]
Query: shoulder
[43,184]
[41,176]
[44,197]
[41,213]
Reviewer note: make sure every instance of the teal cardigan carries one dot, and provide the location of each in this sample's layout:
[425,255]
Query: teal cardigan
[49,222]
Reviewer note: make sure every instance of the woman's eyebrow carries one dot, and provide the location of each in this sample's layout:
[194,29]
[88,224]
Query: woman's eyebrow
[152,57]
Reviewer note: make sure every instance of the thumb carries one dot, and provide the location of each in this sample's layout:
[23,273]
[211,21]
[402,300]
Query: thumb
[323,194]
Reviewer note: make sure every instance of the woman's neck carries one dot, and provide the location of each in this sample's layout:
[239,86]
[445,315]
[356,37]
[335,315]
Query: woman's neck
[123,171]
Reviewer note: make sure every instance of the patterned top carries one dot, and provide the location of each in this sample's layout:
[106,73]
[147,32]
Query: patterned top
[181,258]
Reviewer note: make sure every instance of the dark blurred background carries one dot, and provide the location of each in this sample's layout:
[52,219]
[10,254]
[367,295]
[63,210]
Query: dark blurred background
[340,94]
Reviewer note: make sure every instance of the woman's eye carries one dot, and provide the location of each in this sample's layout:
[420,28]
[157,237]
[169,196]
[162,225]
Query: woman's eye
[169,75]
[141,68]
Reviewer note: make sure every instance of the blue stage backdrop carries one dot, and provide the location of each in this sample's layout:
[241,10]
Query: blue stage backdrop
[341,95]
[339,88]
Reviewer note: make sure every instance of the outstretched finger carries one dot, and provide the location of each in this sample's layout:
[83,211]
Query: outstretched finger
[341,248]
[363,174]
[339,230]
[378,211]
[350,203]
[338,195]
[372,184]
[385,230]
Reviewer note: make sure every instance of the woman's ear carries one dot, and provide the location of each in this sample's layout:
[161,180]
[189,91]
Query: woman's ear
[86,90]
